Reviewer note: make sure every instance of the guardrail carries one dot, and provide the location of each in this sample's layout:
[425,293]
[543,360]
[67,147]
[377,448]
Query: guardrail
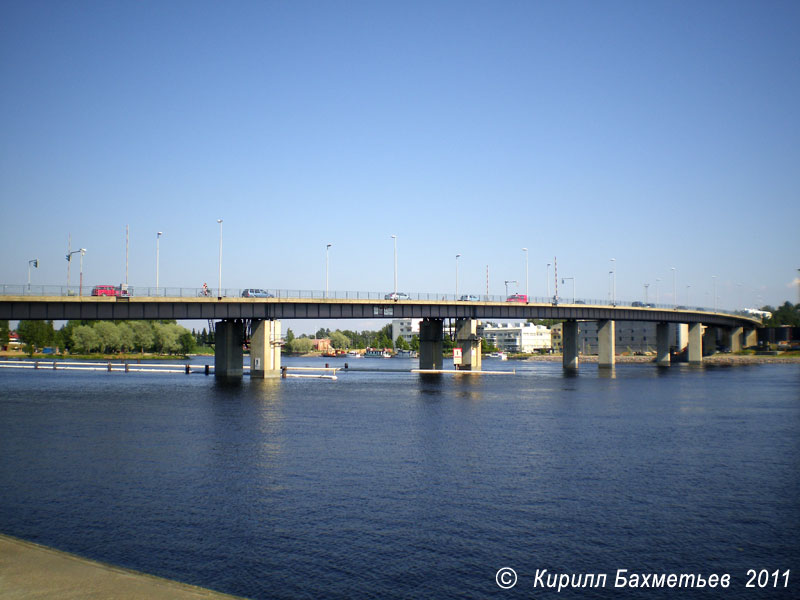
[291,294]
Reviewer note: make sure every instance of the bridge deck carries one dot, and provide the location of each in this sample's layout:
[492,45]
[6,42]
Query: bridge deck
[111,308]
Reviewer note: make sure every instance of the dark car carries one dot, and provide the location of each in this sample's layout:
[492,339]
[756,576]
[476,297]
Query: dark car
[256,293]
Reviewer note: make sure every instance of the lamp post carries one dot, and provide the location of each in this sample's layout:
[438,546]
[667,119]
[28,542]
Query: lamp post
[457,257]
[563,279]
[687,295]
[158,238]
[394,237]
[714,278]
[327,264]
[646,285]
[614,280]
[507,282]
[674,296]
[527,298]
[219,285]
[80,285]
[35,263]
[69,265]
[547,277]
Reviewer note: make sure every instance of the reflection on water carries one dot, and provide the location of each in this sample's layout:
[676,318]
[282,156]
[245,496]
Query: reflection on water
[399,485]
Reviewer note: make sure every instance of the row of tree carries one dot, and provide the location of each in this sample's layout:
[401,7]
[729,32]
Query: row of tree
[786,314]
[161,337]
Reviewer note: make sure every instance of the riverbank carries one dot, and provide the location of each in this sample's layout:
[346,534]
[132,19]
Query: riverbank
[35,571]
[715,359]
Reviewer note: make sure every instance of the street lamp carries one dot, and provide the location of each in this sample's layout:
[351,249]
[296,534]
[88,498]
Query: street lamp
[219,286]
[69,265]
[674,296]
[457,257]
[614,278]
[687,295]
[80,285]
[507,282]
[547,276]
[158,237]
[35,263]
[394,237]
[714,278]
[646,285]
[563,279]
[327,264]
[527,298]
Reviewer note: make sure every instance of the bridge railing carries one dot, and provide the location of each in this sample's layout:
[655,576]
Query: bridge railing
[289,294]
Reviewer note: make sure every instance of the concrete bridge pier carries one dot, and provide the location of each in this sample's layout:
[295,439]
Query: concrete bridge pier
[265,349]
[736,335]
[467,339]
[696,343]
[228,354]
[430,343]
[662,345]
[606,343]
[570,346]
[750,337]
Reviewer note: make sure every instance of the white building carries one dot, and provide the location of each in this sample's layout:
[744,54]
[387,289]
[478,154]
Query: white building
[517,337]
[407,328]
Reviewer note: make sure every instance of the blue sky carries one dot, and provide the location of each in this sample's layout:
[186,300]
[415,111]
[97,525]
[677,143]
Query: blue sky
[662,134]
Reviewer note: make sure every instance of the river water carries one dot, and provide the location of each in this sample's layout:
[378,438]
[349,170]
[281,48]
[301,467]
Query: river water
[392,485]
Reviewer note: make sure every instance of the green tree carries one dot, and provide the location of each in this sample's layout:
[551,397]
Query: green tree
[165,336]
[36,334]
[85,338]
[415,343]
[4,331]
[786,314]
[300,345]
[126,338]
[289,335]
[187,342]
[108,336]
[401,344]
[339,340]
[143,336]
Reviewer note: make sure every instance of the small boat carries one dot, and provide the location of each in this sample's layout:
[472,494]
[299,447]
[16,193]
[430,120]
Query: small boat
[375,353]
[500,355]
[354,354]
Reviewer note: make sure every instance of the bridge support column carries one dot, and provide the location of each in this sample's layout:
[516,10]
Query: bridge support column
[695,343]
[430,343]
[467,339]
[662,344]
[570,345]
[736,338]
[605,343]
[265,349]
[750,338]
[228,355]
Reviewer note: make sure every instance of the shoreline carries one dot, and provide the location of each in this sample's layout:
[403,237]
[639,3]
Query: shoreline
[714,359]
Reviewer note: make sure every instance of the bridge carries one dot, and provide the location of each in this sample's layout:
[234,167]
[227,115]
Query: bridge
[263,315]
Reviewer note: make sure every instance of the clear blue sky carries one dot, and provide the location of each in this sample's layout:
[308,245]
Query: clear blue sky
[662,134]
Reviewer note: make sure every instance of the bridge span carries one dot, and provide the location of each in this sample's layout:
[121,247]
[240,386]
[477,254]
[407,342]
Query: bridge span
[265,314]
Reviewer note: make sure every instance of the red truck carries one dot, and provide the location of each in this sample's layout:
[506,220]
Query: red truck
[120,291]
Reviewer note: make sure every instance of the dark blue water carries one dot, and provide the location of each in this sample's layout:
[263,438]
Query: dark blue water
[392,486]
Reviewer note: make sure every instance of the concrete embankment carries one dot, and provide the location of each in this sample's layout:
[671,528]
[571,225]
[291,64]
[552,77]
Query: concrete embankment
[29,570]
